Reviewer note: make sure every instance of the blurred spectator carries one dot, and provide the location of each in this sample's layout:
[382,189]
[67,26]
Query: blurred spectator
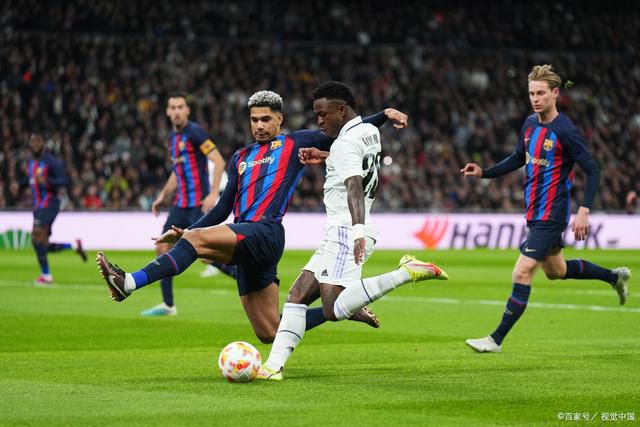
[98,73]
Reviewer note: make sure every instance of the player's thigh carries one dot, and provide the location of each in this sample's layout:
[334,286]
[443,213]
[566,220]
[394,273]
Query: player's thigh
[305,289]
[215,243]
[40,233]
[554,265]
[336,264]
[261,307]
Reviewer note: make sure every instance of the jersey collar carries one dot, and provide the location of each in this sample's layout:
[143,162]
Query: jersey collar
[350,124]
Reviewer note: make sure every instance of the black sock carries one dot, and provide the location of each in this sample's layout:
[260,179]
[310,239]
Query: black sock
[315,317]
[166,285]
[516,305]
[581,269]
[41,254]
[56,247]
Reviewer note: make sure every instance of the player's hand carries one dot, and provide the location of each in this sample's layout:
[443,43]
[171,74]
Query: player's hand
[398,118]
[209,202]
[471,169]
[170,236]
[312,156]
[156,204]
[359,250]
[580,225]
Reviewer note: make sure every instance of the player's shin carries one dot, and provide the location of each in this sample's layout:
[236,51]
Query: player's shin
[290,333]
[358,294]
[174,262]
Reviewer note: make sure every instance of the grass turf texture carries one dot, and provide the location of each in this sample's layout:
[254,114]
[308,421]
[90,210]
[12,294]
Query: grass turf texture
[70,356]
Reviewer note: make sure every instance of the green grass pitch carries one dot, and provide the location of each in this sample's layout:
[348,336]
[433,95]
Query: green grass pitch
[70,356]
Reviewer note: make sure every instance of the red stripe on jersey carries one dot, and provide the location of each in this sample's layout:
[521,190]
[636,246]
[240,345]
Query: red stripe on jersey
[255,174]
[555,179]
[35,186]
[534,173]
[45,175]
[181,198]
[197,184]
[283,165]
[527,135]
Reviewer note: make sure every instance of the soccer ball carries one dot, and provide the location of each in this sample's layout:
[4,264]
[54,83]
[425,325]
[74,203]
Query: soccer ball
[239,362]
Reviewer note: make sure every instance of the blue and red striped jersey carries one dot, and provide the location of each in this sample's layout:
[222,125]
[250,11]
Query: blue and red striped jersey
[550,151]
[48,167]
[265,175]
[189,148]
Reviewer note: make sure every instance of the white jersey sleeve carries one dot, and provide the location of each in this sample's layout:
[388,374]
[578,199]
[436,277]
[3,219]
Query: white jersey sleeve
[347,157]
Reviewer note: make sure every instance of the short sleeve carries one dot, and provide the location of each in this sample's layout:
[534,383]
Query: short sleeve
[202,140]
[347,158]
[576,145]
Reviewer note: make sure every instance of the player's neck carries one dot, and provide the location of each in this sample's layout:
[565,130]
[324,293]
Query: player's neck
[548,117]
[178,128]
[348,117]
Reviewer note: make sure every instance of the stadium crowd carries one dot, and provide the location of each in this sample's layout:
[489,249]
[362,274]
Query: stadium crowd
[96,76]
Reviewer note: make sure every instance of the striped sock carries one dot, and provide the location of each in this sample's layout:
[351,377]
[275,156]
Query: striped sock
[516,305]
[172,263]
[581,269]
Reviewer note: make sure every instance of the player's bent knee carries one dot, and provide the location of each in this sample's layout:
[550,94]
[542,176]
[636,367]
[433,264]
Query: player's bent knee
[554,275]
[329,314]
[266,337]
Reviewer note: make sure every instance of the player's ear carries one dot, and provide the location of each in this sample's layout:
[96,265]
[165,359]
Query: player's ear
[555,91]
[280,118]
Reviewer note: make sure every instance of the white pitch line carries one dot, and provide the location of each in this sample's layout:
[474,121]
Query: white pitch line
[403,299]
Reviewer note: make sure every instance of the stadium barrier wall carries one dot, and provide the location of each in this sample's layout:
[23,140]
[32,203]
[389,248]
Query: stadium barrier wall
[133,230]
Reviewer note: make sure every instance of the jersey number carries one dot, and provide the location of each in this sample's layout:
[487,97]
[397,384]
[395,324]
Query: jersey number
[371,165]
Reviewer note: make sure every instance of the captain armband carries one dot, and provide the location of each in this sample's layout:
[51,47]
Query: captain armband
[207,147]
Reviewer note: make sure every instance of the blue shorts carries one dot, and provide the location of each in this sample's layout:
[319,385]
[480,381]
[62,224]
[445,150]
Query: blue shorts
[44,217]
[258,251]
[542,238]
[181,217]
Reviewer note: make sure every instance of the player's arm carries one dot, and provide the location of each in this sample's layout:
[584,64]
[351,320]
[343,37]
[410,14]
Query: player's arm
[579,152]
[212,198]
[58,178]
[355,200]
[348,162]
[514,161]
[215,216]
[315,138]
[168,189]
[312,156]
[225,205]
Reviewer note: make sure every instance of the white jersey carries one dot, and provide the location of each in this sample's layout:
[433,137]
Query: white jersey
[356,152]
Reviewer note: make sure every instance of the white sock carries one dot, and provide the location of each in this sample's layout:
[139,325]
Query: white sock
[357,295]
[290,333]
[129,283]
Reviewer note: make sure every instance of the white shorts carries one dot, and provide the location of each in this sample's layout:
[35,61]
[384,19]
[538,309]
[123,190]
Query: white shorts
[333,262]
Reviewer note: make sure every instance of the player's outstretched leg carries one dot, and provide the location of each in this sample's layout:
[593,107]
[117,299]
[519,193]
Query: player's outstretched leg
[357,295]
[122,284]
[618,278]
[516,306]
[349,302]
